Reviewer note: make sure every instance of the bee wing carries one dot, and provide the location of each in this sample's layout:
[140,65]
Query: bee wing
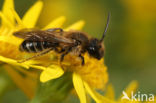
[40,35]
[55,37]
[25,33]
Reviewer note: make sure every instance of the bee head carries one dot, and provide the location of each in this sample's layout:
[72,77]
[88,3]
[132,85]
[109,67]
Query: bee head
[95,48]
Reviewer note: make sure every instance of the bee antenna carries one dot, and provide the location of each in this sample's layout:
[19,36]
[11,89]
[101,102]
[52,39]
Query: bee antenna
[105,27]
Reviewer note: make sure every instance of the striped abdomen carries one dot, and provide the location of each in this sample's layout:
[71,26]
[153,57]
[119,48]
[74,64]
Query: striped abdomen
[35,46]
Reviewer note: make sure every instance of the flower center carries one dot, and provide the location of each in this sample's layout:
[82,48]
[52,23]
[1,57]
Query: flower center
[93,71]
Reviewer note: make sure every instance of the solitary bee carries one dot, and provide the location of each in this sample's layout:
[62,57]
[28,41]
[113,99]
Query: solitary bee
[44,41]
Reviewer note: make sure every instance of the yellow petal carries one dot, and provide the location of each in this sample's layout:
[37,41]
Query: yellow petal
[105,99]
[20,81]
[110,92]
[18,19]
[31,16]
[5,21]
[38,67]
[76,26]
[52,72]
[96,96]
[79,87]
[30,74]
[11,40]
[7,6]
[12,62]
[131,87]
[91,92]
[56,23]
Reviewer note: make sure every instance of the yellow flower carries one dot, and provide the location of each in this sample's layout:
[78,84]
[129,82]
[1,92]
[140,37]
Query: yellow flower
[9,51]
[132,87]
[93,75]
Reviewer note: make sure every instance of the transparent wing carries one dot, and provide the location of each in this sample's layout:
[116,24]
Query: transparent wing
[41,35]
[25,33]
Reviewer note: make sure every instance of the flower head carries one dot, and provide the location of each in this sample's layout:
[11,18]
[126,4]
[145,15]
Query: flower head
[93,75]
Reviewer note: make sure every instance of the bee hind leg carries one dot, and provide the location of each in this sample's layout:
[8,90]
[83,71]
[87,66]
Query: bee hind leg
[35,56]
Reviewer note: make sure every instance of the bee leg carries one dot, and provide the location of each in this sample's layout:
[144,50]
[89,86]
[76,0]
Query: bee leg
[55,29]
[64,54]
[62,58]
[35,56]
[82,58]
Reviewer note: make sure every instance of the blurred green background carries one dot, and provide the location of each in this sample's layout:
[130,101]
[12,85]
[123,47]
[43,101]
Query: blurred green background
[130,44]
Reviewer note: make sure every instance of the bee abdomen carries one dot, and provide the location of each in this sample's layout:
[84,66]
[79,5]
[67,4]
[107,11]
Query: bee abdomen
[34,46]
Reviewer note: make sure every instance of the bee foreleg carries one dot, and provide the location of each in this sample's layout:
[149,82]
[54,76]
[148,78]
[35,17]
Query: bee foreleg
[35,56]
[82,58]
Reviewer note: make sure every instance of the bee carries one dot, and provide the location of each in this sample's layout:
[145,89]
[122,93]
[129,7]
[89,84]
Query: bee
[60,41]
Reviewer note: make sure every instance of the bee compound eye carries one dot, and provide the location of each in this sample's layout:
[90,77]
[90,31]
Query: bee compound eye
[92,48]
